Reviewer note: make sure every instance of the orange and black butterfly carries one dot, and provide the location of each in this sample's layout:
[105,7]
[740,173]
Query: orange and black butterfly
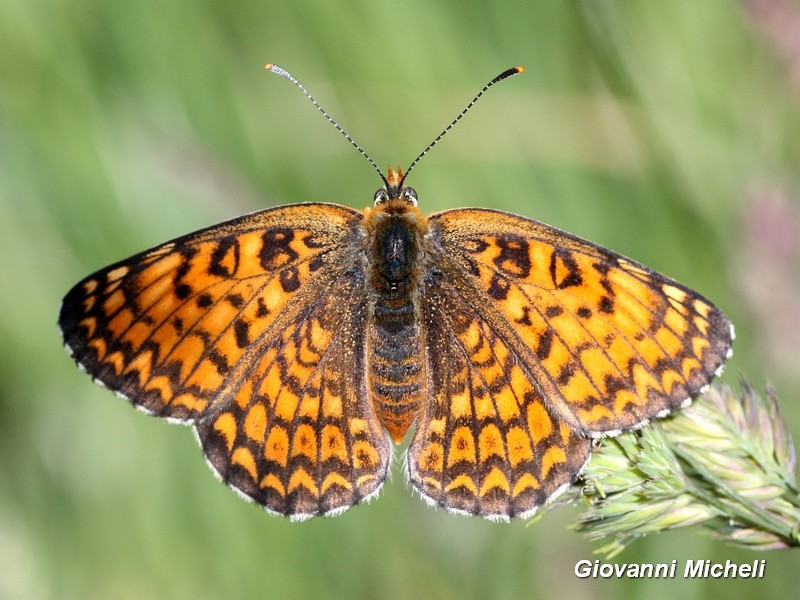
[301,341]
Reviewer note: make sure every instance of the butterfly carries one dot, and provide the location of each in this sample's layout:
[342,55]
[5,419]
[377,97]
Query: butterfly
[301,342]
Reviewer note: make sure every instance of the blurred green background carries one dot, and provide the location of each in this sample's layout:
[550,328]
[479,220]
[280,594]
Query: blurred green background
[665,130]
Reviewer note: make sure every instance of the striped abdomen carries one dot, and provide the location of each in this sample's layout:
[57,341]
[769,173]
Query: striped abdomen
[395,365]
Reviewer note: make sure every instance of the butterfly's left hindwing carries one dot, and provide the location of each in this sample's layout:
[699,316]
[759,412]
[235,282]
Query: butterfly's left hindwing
[486,442]
[607,342]
[247,329]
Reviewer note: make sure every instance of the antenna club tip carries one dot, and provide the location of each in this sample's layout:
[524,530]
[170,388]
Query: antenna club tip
[519,69]
[269,66]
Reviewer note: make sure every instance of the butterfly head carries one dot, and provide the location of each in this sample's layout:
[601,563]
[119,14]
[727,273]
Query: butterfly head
[395,189]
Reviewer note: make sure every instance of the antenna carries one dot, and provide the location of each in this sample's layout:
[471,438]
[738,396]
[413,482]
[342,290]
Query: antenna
[504,75]
[285,74]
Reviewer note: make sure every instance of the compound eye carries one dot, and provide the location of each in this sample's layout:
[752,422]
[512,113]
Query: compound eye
[409,194]
[381,196]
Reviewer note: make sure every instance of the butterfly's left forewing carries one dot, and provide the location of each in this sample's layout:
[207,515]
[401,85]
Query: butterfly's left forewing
[608,342]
